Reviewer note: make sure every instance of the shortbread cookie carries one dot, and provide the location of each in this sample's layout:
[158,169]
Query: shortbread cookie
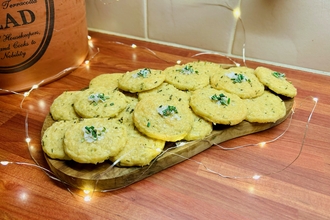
[107,80]
[139,149]
[99,103]
[62,106]
[266,108]
[141,80]
[52,139]
[200,129]
[238,80]
[210,68]
[276,82]
[94,140]
[187,77]
[163,119]
[218,106]
[167,90]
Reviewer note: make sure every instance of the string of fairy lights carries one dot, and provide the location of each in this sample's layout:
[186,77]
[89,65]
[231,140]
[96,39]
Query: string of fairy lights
[88,193]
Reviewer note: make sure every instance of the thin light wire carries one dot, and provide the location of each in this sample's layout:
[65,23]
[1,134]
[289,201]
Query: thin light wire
[52,176]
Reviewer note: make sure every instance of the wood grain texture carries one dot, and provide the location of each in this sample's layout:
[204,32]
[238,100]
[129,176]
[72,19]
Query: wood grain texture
[186,190]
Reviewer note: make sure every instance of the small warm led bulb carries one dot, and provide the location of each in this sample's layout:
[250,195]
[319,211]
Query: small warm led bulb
[134,46]
[262,144]
[256,177]
[178,62]
[87,198]
[28,140]
[4,163]
[315,99]
[237,12]
[89,37]
[26,94]
[87,62]
[35,86]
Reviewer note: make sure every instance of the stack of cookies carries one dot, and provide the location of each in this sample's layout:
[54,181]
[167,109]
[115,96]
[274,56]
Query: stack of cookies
[128,117]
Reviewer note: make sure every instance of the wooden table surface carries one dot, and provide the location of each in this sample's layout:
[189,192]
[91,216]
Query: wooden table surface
[294,169]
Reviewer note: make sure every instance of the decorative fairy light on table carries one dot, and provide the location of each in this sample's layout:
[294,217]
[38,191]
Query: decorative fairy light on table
[88,193]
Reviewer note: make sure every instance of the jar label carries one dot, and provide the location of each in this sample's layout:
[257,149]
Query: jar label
[26,28]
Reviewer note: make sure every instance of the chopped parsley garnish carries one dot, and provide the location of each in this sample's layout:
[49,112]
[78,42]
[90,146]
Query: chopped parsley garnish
[188,69]
[238,77]
[142,73]
[92,134]
[278,75]
[221,99]
[95,98]
[167,110]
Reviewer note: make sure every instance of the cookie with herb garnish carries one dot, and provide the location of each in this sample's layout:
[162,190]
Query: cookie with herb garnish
[162,118]
[139,149]
[187,77]
[210,68]
[62,107]
[107,80]
[53,139]
[94,140]
[100,103]
[238,80]
[276,81]
[218,106]
[141,80]
[266,108]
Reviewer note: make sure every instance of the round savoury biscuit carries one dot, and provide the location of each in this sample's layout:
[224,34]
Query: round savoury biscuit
[107,80]
[275,81]
[218,106]
[62,107]
[168,91]
[238,80]
[200,129]
[94,140]
[139,149]
[187,77]
[141,80]
[163,119]
[209,68]
[99,103]
[266,108]
[53,139]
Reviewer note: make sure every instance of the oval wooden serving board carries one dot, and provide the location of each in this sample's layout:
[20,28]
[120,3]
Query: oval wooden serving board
[104,176]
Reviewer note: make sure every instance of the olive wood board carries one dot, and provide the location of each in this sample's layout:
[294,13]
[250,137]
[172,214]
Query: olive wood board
[106,177]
